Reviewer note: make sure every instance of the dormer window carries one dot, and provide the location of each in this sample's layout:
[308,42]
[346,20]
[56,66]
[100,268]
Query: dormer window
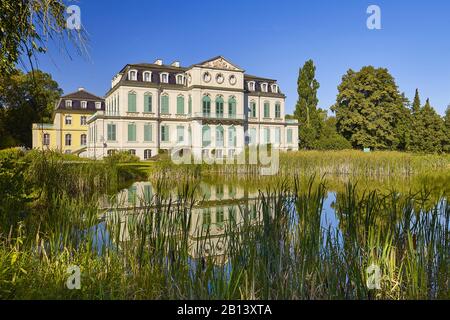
[132,75]
[264,87]
[180,79]
[251,85]
[98,105]
[68,103]
[147,75]
[83,104]
[274,88]
[164,77]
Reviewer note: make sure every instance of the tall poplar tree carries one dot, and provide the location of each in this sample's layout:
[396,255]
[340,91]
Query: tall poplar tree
[310,118]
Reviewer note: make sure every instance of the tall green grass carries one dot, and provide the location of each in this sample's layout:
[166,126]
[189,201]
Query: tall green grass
[282,252]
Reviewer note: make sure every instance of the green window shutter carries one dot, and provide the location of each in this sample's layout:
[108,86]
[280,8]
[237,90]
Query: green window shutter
[289,135]
[219,107]
[132,195]
[131,132]
[206,135]
[165,104]
[111,132]
[232,107]
[266,110]
[180,105]
[190,105]
[180,133]
[165,133]
[131,102]
[148,132]
[253,109]
[219,136]
[232,137]
[277,111]
[148,103]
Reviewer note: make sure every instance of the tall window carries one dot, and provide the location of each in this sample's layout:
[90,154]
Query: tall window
[266,110]
[180,133]
[266,135]
[264,87]
[83,140]
[83,104]
[68,139]
[164,104]
[277,111]
[180,104]
[131,102]
[133,75]
[219,136]
[68,103]
[147,155]
[83,120]
[68,120]
[147,102]
[147,76]
[131,132]
[46,139]
[206,106]
[277,135]
[253,109]
[252,136]
[206,136]
[164,77]
[232,107]
[219,107]
[148,132]
[232,140]
[165,133]
[289,135]
[111,128]
[98,105]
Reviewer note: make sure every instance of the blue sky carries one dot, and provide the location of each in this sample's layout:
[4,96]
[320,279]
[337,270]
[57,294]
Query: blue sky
[266,38]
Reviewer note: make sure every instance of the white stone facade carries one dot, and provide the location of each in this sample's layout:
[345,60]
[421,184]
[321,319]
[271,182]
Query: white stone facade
[206,108]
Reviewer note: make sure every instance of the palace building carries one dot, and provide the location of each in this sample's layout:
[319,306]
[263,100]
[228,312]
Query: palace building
[69,131]
[212,108]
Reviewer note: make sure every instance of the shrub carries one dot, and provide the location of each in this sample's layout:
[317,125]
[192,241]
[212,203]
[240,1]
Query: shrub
[122,157]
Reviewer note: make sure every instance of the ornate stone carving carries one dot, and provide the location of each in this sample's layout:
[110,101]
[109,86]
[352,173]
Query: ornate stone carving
[220,63]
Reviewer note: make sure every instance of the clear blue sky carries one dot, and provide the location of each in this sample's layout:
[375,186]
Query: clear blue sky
[266,38]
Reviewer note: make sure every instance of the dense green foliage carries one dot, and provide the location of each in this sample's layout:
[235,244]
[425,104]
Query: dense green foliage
[25,99]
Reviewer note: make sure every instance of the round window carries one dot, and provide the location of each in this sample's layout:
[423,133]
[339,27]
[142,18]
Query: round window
[219,78]
[207,77]
[233,80]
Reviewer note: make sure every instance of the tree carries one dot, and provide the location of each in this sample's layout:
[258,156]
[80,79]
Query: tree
[309,117]
[370,109]
[330,139]
[429,131]
[25,99]
[446,146]
[416,104]
[27,25]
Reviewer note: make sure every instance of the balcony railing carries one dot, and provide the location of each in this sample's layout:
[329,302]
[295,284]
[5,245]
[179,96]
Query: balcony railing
[215,115]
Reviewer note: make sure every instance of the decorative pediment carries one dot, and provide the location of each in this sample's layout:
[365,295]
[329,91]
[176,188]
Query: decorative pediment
[219,63]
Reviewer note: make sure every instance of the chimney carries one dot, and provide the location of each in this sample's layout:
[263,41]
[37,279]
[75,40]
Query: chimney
[176,64]
[159,62]
[81,89]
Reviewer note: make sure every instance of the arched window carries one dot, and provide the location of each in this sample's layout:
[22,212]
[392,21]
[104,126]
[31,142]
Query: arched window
[83,140]
[147,75]
[180,79]
[164,104]
[180,104]
[164,77]
[219,107]
[274,88]
[148,102]
[68,139]
[68,120]
[131,101]
[219,136]
[264,86]
[206,106]
[251,85]
[132,75]
[206,136]
[232,107]
[232,140]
